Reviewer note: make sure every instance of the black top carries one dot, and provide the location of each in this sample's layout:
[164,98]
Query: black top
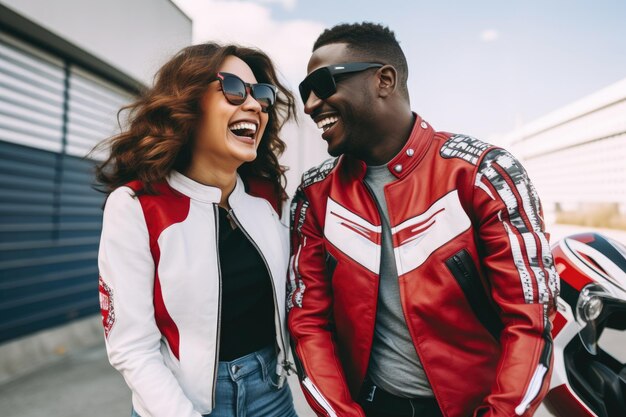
[247,321]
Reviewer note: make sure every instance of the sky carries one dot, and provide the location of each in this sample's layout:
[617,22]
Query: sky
[477,67]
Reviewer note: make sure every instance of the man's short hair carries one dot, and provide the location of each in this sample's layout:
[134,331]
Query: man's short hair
[371,41]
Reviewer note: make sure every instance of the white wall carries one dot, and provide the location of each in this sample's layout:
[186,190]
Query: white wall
[135,36]
[305,149]
[594,172]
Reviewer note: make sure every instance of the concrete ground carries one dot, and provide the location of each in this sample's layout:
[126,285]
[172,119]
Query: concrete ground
[83,384]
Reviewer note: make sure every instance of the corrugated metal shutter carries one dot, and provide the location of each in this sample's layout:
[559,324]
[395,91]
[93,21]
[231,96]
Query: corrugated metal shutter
[31,96]
[93,106]
[51,115]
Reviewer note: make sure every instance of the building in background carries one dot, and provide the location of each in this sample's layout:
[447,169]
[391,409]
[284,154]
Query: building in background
[66,67]
[576,157]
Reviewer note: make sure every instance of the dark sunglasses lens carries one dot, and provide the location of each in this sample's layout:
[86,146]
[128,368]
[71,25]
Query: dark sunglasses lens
[234,89]
[305,91]
[322,83]
[265,95]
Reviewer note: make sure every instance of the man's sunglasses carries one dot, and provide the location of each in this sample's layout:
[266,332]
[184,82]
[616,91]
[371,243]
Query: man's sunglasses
[236,91]
[322,80]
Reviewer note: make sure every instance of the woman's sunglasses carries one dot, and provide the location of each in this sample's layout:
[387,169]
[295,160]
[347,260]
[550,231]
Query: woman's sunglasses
[236,91]
[322,80]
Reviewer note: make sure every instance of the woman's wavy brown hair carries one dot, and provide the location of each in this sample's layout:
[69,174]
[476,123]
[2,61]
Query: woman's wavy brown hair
[162,122]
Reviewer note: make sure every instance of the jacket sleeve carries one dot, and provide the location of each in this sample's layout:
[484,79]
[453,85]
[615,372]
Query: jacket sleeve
[516,258]
[310,317]
[126,299]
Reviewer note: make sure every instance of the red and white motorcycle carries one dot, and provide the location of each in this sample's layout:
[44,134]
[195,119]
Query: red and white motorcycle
[587,381]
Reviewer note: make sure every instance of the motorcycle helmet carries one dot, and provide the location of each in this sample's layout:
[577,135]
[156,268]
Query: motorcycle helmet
[588,381]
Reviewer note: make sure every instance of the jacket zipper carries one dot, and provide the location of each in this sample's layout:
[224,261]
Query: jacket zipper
[286,365]
[219,302]
[464,272]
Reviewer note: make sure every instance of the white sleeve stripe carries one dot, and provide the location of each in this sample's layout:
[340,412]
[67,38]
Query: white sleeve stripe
[317,395]
[533,389]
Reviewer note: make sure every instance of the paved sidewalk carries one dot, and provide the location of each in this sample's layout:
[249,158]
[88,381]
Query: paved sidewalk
[83,384]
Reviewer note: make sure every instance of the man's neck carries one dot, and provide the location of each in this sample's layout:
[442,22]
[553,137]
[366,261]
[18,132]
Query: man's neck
[395,134]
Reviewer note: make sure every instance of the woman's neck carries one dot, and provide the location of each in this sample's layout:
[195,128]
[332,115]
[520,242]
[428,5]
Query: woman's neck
[225,180]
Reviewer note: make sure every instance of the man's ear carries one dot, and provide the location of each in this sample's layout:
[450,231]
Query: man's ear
[387,80]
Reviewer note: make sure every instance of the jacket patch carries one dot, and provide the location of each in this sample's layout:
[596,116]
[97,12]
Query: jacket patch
[296,294]
[106,306]
[464,147]
[318,173]
[295,285]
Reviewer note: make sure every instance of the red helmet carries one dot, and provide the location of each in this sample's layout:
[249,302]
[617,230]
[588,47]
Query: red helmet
[588,381]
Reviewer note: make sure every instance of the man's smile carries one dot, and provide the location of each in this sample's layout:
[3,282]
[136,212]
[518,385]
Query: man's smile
[327,122]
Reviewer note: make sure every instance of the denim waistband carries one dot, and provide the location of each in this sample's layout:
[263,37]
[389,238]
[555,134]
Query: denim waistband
[248,364]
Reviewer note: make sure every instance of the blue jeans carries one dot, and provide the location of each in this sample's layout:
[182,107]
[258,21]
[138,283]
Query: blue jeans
[247,387]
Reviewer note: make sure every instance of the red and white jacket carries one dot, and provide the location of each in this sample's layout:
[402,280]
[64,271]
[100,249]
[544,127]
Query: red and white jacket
[160,288]
[477,280]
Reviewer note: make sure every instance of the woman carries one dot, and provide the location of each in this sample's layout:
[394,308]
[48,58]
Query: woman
[193,253]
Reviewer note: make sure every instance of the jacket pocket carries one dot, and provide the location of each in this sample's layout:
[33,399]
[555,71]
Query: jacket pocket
[464,271]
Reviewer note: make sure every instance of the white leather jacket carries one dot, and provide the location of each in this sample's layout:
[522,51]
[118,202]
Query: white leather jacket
[160,288]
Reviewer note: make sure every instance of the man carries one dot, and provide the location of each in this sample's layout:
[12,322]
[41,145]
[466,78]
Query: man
[421,280]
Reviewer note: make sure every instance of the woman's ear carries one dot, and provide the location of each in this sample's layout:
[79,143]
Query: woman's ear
[387,78]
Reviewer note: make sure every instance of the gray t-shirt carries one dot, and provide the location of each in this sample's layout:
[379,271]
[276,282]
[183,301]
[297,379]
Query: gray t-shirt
[394,365]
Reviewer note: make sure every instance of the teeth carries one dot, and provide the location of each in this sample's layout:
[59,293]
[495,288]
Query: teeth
[325,123]
[243,126]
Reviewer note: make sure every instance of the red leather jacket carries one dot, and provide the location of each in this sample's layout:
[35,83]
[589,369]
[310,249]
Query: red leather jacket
[477,280]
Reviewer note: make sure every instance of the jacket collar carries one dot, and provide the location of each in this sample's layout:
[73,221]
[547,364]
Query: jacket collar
[195,190]
[205,193]
[409,156]
[414,149]
[234,199]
